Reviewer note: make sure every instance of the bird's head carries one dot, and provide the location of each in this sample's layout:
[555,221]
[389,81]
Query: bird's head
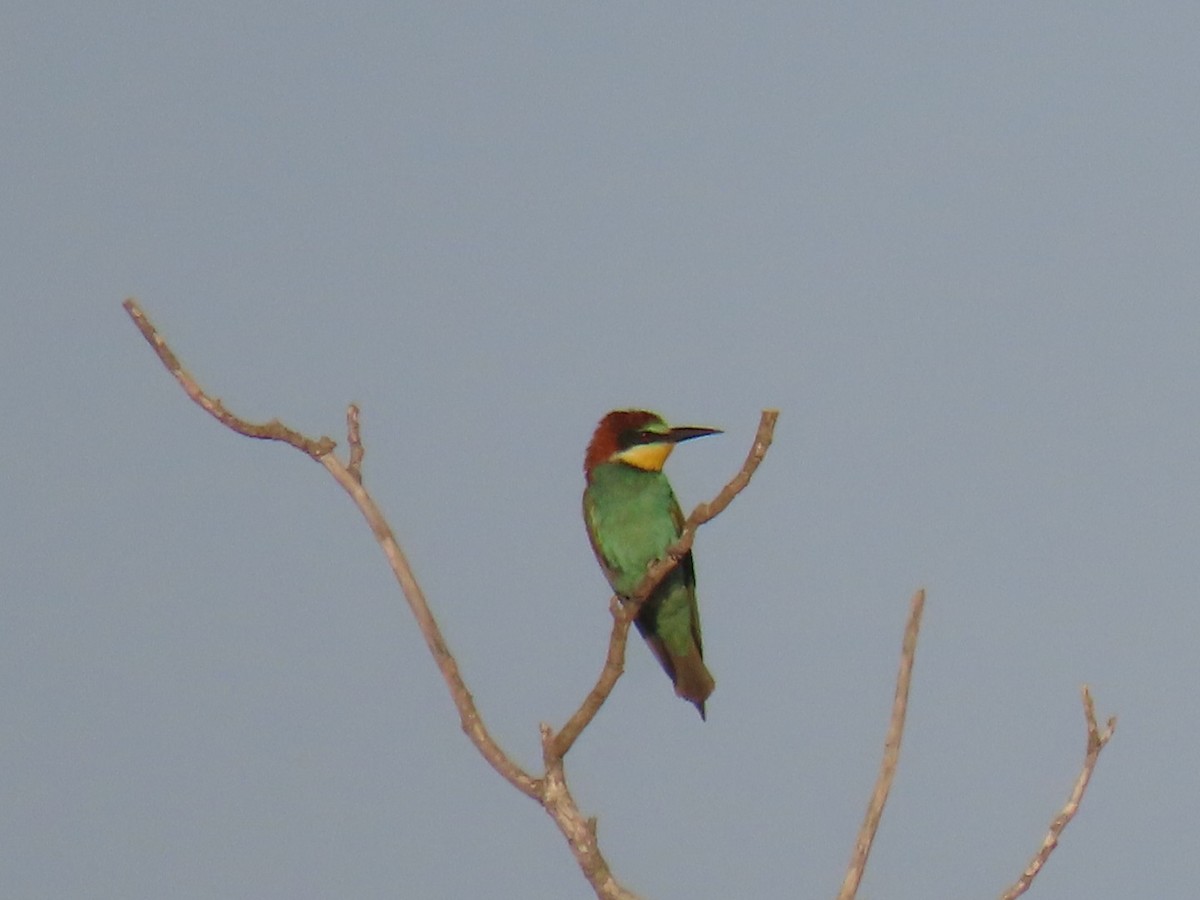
[637,438]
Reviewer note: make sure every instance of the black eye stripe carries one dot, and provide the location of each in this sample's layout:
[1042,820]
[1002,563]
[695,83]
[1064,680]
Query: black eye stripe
[635,436]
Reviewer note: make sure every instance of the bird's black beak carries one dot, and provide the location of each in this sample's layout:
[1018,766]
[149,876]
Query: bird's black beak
[687,432]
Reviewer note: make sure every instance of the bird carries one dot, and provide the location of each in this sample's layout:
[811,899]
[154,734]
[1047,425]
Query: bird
[632,518]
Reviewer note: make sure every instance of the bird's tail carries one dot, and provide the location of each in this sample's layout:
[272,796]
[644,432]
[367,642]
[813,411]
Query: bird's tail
[693,681]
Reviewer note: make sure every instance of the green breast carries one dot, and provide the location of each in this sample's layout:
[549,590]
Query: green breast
[633,517]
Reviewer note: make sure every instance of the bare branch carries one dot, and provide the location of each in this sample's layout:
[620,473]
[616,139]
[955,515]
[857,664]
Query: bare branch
[266,431]
[472,722]
[624,613]
[614,667]
[1096,739]
[579,832]
[891,753]
[350,480]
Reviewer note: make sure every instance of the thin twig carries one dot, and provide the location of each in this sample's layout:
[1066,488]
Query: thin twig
[264,431]
[625,612]
[1096,740]
[891,754]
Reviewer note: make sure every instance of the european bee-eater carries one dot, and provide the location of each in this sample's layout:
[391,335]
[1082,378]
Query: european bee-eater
[632,517]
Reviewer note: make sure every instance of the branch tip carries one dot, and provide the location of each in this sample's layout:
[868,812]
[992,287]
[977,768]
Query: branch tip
[1096,741]
[891,752]
[273,430]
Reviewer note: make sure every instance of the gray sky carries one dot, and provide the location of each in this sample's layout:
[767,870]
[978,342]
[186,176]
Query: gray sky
[954,243]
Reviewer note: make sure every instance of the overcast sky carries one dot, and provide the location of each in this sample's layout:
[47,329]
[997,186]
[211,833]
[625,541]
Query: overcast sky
[955,244]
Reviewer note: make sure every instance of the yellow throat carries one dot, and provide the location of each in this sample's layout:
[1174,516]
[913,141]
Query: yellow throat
[647,456]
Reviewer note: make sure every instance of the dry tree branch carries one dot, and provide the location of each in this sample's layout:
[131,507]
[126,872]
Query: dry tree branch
[580,832]
[267,431]
[624,613]
[472,722]
[550,790]
[350,478]
[1096,739]
[891,753]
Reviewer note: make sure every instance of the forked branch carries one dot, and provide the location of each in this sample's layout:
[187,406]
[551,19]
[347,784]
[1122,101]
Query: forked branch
[550,789]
